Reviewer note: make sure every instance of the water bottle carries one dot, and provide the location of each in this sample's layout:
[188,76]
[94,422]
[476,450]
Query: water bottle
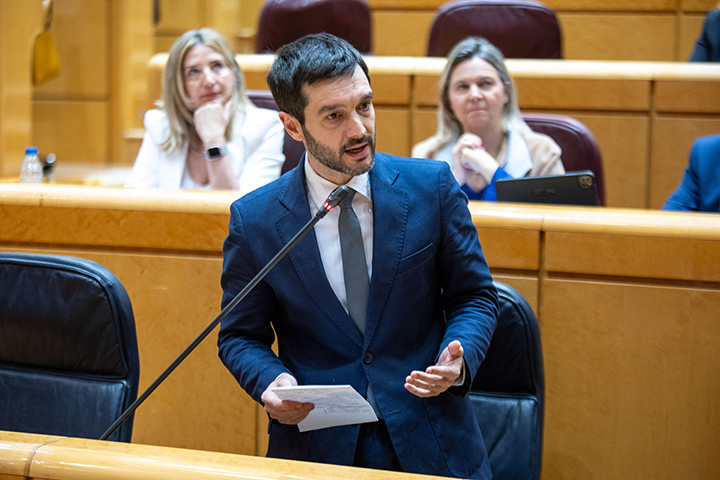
[31,170]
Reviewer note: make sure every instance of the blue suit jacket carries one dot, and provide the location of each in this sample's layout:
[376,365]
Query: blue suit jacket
[430,285]
[707,46]
[699,189]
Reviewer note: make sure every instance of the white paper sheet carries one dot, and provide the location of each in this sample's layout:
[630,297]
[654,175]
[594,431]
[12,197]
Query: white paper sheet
[335,405]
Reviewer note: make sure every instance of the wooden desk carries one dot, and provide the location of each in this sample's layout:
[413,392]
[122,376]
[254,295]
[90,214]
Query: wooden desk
[64,458]
[627,302]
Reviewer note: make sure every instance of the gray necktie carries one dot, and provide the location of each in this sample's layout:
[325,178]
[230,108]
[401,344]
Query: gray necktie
[357,281]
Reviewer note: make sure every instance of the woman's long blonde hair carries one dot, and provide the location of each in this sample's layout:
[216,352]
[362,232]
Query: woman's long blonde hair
[175,101]
[449,127]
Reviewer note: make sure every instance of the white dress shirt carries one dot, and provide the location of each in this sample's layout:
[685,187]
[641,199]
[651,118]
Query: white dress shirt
[326,230]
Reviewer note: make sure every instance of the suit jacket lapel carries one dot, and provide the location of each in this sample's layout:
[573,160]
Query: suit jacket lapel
[305,256]
[390,205]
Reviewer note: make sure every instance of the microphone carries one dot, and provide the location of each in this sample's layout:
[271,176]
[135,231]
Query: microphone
[332,201]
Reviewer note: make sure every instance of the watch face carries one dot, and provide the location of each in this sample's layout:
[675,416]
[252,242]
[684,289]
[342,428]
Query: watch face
[215,152]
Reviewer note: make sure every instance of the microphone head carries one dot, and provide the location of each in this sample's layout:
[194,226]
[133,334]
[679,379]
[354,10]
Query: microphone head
[334,199]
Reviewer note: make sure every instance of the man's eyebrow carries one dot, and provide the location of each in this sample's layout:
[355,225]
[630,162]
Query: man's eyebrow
[328,108]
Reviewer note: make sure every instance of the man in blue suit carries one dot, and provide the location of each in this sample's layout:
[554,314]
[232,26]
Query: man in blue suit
[699,190]
[430,309]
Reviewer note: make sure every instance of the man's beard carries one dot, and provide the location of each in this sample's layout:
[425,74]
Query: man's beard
[324,154]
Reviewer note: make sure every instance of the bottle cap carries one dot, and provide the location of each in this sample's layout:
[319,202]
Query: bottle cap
[31,151]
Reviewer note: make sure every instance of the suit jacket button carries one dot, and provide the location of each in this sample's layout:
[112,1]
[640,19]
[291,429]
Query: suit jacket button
[368,357]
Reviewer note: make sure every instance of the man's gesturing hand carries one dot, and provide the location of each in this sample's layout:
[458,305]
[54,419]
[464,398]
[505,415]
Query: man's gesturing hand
[284,411]
[439,377]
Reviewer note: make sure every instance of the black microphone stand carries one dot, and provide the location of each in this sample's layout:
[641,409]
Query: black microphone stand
[332,201]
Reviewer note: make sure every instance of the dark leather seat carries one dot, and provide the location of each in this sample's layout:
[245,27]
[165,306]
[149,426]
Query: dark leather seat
[508,393]
[580,151]
[68,351]
[519,28]
[292,149]
[284,21]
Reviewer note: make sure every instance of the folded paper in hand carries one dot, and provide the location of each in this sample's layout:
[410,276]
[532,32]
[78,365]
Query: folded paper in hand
[335,405]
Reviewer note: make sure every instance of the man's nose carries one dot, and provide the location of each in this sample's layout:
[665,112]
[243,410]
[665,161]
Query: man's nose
[356,127]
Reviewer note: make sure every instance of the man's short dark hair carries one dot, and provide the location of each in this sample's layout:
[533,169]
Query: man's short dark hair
[308,60]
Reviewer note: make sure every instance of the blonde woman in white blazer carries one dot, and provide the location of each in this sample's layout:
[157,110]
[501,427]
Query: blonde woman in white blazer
[207,135]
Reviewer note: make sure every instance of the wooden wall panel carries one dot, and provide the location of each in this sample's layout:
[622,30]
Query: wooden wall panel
[672,139]
[633,256]
[581,93]
[75,131]
[701,6]
[401,33]
[687,96]
[631,380]
[405,4]
[623,142]
[395,125]
[223,16]
[424,124]
[613,5]
[19,23]
[573,90]
[511,248]
[177,16]
[131,51]
[81,30]
[250,13]
[526,285]
[690,28]
[618,37]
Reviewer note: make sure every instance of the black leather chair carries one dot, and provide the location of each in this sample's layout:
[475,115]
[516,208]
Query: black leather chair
[508,393]
[519,28]
[292,149]
[284,21]
[68,351]
[580,151]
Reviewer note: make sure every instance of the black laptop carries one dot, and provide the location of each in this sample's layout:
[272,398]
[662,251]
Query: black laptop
[572,188]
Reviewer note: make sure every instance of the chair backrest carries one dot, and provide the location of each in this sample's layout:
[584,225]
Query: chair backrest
[284,21]
[68,350]
[580,151]
[508,393]
[519,28]
[292,149]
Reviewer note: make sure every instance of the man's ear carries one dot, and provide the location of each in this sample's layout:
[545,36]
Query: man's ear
[292,126]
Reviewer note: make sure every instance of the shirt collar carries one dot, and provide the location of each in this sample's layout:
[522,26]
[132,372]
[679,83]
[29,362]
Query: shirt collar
[319,188]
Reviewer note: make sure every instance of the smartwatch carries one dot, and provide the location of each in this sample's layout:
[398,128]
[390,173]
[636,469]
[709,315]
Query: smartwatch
[216,151]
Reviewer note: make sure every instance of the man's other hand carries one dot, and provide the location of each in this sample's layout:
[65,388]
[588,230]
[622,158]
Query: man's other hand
[439,377]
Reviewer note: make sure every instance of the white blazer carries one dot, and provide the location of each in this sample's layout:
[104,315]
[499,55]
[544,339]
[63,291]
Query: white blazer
[255,151]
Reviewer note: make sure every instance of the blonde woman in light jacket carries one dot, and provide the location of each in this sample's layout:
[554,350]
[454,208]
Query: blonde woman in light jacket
[207,135]
[481,133]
